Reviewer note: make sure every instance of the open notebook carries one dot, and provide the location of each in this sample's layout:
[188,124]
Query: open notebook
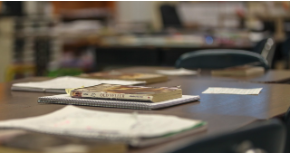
[66,99]
[58,85]
[132,128]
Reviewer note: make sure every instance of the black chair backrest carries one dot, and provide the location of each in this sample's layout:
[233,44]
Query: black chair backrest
[286,51]
[258,48]
[268,136]
[170,18]
[266,48]
[218,59]
[287,122]
[286,47]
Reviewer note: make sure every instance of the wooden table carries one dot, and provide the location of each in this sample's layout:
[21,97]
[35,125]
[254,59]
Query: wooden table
[270,76]
[273,101]
[24,104]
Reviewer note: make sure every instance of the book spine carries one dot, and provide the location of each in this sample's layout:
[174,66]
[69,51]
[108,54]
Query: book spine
[105,95]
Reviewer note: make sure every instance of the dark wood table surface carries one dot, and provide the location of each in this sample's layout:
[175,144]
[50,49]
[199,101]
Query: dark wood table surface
[273,101]
[15,104]
[270,76]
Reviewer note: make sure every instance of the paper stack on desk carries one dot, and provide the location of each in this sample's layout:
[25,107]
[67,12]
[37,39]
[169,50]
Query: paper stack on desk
[66,99]
[130,128]
[177,72]
[58,85]
[122,96]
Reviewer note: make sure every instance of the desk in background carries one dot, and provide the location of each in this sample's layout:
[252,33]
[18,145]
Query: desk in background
[270,76]
[106,56]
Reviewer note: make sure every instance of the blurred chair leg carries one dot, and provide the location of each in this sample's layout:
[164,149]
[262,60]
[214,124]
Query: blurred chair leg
[288,61]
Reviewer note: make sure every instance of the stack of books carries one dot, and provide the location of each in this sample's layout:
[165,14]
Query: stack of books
[122,96]
[137,130]
[148,78]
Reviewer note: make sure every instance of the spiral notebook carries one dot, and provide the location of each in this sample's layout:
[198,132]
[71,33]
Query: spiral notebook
[66,99]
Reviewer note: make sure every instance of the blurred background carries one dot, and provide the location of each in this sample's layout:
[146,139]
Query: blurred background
[69,38]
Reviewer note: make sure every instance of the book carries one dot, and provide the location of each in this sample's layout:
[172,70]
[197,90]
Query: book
[66,99]
[34,142]
[125,92]
[130,128]
[149,78]
[246,70]
[58,85]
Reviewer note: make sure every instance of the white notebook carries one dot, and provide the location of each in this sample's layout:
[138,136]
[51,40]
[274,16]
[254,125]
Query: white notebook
[128,127]
[66,99]
[58,85]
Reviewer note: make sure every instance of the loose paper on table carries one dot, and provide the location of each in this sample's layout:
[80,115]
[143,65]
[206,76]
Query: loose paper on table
[61,83]
[98,124]
[219,90]
[177,72]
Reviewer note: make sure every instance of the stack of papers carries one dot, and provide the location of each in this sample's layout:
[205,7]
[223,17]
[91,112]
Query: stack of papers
[177,72]
[58,85]
[73,121]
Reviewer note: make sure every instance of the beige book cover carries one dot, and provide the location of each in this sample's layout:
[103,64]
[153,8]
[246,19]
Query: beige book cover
[124,92]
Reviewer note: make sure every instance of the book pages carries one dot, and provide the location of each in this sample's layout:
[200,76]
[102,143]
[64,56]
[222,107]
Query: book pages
[74,121]
[218,90]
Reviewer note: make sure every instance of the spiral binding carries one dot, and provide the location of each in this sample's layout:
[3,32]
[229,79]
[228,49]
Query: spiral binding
[115,103]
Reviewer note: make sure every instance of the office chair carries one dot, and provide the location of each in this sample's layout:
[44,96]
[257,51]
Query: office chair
[170,17]
[287,123]
[218,59]
[259,46]
[262,137]
[266,48]
[286,51]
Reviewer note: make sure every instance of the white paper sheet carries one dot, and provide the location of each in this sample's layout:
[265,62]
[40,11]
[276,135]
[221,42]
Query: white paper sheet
[218,90]
[177,72]
[87,123]
[71,82]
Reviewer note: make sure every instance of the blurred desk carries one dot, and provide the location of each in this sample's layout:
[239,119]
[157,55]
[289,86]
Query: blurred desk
[270,76]
[147,55]
[149,50]
[24,104]
[273,101]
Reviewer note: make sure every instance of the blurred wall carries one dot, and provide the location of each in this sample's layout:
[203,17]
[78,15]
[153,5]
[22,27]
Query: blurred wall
[6,44]
[140,11]
[74,5]
[134,11]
